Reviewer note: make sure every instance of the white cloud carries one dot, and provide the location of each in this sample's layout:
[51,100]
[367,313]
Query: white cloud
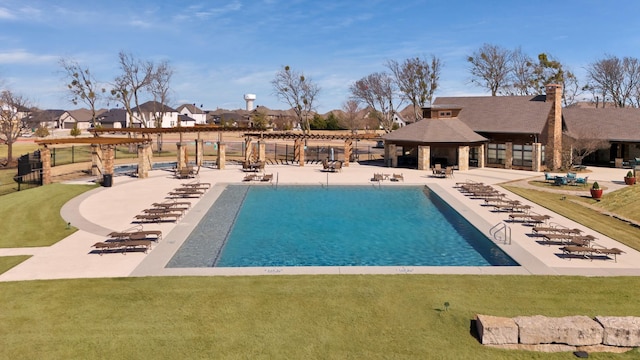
[6,14]
[21,56]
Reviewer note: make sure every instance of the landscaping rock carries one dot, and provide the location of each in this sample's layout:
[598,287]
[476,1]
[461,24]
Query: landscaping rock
[570,330]
[548,348]
[620,330]
[496,330]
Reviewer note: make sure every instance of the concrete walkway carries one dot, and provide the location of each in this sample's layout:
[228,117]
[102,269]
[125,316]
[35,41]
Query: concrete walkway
[102,210]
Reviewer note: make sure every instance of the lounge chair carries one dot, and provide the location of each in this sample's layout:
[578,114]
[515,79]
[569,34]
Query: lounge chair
[528,218]
[267,177]
[136,235]
[250,177]
[157,217]
[397,177]
[172,203]
[541,230]
[377,177]
[591,252]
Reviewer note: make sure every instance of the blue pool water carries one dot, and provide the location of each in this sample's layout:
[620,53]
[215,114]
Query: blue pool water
[335,226]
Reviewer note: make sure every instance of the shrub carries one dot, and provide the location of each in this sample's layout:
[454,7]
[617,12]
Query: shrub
[629,174]
[595,186]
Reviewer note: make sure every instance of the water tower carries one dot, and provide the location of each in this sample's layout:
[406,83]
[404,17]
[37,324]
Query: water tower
[249,98]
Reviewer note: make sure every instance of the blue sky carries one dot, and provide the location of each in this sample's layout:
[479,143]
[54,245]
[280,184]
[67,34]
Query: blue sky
[220,50]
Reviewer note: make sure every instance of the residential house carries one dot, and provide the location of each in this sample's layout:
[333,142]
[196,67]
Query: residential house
[193,112]
[50,119]
[151,114]
[113,118]
[80,117]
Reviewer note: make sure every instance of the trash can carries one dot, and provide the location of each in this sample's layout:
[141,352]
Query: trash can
[107,180]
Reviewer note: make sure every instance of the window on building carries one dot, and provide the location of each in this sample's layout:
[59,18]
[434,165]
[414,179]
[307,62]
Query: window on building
[496,153]
[522,155]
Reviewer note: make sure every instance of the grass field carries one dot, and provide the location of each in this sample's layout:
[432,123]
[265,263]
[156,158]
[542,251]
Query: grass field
[290,317]
[32,217]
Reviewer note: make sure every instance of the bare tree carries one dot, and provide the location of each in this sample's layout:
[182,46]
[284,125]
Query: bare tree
[548,71]
[615,79]
[583,142]
[159,86]
[521,75]
[82,86]
[352,110]
[13,109]
[417,79]
[298,91]
[490,67]
[130,85]
[378,91]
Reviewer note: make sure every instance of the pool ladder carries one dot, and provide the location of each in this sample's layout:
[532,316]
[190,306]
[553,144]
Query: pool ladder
[501,232]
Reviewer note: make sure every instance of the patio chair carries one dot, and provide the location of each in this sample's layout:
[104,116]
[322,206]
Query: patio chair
[267,177]
[582,181]
[377,177]
[549,177]
[250,177]
[397,177]
[448,172]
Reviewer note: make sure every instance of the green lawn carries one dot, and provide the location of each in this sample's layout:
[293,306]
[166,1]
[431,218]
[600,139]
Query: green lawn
[569,206]
[7,262]
[290,317]
[32,217]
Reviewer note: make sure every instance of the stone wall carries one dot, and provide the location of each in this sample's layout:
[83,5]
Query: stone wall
[569,333]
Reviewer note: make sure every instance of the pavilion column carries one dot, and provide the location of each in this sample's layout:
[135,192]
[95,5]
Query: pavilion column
[348,149]
[145,160]
[536,157]
[424,157]
[481,155]
[181,162]
[96,160]
[222,155]
[390,155]
[463,158]
[199,152]
[45,156]
[508,161]
[262,151]
[109,157]
[298,150]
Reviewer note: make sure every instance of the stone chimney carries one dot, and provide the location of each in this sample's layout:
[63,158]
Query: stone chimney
[553,146]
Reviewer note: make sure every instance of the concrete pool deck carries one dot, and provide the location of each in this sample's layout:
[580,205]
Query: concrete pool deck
[102,210]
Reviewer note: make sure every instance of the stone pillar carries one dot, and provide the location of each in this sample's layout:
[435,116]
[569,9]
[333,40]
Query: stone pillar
[508,161]
[348,149]
[298,150]
[145,160]
[481,155]
[262,151]
[109,156]
[45,156]
[424,157]
[463,158]
[222,148]
[248,150]
[536,157]
[199,152]
[96,160]
[390,155]
[553,148]
[181,162]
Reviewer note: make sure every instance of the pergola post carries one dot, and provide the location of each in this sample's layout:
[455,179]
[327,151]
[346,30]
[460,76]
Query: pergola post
[181,162]
[248,150]
[348,149]
[463,158]
[45,156]
[109,156]
[222,155]
[298,151]
[96,160]
[199,152]
[262,151]
[424,157]
[390,155]
[145,160]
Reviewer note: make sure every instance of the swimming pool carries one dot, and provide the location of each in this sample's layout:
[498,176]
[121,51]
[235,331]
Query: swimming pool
[336,226]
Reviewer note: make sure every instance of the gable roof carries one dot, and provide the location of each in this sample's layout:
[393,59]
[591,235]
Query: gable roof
[152,106]
[502,114]
[613,124]
[449,130]
[113,116]
[81,115]
[192,108]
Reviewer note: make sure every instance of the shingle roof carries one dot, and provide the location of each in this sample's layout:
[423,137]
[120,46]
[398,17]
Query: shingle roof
[113,116]
[152,106]
[502,114]
[450,130]
[613,124]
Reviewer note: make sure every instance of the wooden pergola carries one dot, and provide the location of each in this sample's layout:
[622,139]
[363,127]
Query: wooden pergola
[102,154]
